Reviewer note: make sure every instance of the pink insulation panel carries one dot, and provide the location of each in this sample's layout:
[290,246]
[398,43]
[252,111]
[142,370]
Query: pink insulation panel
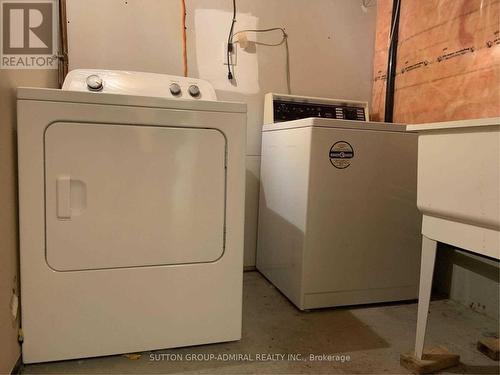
[448,63]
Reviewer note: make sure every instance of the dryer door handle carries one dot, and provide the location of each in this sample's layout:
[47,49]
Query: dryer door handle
[63,187]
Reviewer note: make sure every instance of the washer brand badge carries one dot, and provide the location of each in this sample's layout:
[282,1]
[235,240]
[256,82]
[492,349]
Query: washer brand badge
[341,154]
[29,39]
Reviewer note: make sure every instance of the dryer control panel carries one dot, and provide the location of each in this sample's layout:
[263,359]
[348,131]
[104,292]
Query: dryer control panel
[139,83]
[279,108]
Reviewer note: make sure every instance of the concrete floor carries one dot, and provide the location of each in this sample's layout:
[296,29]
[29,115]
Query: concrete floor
[373,337]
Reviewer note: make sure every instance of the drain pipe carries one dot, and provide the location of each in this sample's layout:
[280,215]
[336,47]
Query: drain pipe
[391,65]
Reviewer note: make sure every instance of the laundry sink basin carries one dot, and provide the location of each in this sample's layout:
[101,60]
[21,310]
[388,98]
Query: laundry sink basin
[459,183]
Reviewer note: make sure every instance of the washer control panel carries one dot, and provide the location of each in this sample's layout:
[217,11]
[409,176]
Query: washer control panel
[279,108]
[139,83]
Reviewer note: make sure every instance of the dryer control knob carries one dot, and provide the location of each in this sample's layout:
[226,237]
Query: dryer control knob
[194,91]
[94,83]
[175,89]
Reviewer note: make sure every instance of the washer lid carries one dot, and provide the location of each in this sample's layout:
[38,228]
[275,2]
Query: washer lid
[129,196]
[334,123]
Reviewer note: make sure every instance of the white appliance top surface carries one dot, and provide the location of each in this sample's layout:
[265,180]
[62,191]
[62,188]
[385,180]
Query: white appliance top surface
[334,123]
[491,121]
[57,95]
[139,83]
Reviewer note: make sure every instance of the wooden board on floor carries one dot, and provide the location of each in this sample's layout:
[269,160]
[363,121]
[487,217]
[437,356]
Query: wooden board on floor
[433,360]
[489,347]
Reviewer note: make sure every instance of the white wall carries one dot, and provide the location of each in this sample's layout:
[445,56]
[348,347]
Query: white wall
[331,53]
[9,262]
[469,279]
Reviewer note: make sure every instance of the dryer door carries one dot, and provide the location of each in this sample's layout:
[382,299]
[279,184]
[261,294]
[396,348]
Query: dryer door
[129,196]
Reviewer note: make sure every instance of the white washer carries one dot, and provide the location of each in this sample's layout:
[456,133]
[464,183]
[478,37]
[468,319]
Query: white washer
[131,215]
[338,220]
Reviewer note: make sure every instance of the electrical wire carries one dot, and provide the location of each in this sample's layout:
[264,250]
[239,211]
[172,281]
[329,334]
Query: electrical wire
[230,43]
[263,31]
[393,25]
[391,64]
[284,40]
[184,38]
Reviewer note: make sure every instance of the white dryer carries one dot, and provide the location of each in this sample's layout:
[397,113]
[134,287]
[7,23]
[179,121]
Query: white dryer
[131,215]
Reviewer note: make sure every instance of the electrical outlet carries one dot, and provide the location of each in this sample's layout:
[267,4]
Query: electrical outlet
[233,56]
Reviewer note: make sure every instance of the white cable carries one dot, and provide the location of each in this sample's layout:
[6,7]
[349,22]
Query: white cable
[283,41]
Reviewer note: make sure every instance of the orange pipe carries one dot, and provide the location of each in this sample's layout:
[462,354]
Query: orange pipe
[184,39]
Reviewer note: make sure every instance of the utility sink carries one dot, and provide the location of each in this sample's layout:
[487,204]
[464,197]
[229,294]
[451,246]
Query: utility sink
[458,193]
[459,183]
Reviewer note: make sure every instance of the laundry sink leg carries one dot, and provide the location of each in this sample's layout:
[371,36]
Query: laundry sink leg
[424,295]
